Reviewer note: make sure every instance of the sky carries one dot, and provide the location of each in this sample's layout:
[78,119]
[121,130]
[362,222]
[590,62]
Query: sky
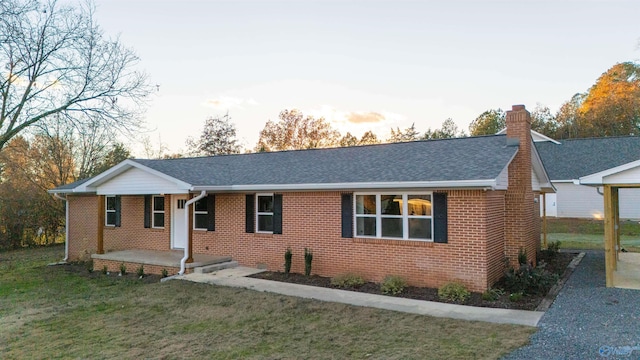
[363,65]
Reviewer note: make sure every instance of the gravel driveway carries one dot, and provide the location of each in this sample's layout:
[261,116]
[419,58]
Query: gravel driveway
[588,320]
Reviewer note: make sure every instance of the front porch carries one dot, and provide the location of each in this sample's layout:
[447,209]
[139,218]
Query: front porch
[627,274]
[153,261]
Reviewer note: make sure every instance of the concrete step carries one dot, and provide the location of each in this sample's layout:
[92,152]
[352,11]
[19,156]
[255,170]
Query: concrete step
[215,267]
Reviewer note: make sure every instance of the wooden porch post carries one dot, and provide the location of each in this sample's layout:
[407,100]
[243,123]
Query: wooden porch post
[544,219]
[190,227]
[609,235]
[100,227]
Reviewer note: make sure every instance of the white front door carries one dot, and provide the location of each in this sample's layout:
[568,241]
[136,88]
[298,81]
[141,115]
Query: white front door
[178,223]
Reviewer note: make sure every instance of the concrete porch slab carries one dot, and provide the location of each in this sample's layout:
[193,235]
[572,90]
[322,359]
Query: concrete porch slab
[169,258]
[627,276]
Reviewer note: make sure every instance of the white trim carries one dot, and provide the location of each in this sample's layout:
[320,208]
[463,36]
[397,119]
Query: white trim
[258,213]
[379,216]
[107,211]
[533,132]
[154,211]
[200,212]
[92,184]
[598,178]
[541,172]
[488,184]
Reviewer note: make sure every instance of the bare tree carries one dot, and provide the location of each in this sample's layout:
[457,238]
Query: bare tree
[55,60]
[218,138]
[295,131]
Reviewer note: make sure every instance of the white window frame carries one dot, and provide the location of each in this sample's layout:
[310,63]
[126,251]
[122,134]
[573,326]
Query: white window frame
[107,210]
[154,211]
[405,215]
[263,213]
[200,212]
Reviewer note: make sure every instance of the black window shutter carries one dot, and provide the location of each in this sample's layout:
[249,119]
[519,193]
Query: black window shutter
[147,211]
[347,215]
[440,217]
[250,213]
[118,210]
[211,210]
[277,213]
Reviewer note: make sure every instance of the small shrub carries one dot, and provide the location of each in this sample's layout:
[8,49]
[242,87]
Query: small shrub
[522,257]
[308,257]
[553,247]
[105,270]
[90,266]
[529,280]
[348,280]
[287,260]
[492,294]
[123,269]
[515,297]
[454,292]
[393,285]
[140,271]
[164,273]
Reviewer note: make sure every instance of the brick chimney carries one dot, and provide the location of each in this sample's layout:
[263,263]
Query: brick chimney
[519,199]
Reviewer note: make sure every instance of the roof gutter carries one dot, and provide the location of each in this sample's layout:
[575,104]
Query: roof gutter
[183,261]
[478,184]
[66,225]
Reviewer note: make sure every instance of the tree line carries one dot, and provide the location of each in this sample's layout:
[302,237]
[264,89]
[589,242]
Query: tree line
[68,92]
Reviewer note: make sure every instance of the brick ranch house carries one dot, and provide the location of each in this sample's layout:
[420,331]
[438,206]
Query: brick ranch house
[430,211]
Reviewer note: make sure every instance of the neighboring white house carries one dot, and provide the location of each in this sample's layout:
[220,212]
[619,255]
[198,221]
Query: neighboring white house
[568,160]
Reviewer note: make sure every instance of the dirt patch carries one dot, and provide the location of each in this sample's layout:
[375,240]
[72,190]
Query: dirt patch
[556,264]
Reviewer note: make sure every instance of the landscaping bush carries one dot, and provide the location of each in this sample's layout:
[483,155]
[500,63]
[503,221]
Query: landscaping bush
[492,294]
[287,260]
[515,297]
[90,266]
[123,269]
[454,292]
[393,285]
[529,280]
[105,270]
[522,257]
[348,280]
[308,257]
[140,271]
[164,273]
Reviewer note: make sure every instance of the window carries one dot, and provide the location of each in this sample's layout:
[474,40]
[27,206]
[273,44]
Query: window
[264,212]
[158,212]
[110,211]
[200,214]
[399,216]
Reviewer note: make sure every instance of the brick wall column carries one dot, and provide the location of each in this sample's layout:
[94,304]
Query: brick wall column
[519,198]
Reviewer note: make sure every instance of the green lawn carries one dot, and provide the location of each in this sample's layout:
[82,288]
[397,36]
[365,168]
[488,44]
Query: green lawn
[49,312]
[589,234]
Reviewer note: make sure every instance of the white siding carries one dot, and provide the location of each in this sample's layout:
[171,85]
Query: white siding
[502,181]
[137,182]
[535,183]
[579,201]
[631,176]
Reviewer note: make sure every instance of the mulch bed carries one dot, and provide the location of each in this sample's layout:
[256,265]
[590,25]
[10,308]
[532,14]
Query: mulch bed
[556,264]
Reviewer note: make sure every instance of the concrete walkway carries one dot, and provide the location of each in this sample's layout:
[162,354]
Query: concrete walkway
[236,277]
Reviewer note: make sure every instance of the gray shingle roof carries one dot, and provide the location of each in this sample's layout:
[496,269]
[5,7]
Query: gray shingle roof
[476,158]
[72,185]
[574,158]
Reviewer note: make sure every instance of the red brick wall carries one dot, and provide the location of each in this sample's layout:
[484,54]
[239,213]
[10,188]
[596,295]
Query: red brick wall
[83,226]
[132,234]
[519,223]
[312,220]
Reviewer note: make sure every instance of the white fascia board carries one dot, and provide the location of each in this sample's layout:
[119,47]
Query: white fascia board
[488,184]
[540,171]
[534,134]
[90,186]
[598,178]
[564,181]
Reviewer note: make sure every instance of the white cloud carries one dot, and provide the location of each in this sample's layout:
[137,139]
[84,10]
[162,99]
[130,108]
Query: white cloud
[228,102]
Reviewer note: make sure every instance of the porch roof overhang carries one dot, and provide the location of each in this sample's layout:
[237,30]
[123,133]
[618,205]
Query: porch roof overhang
[626,175]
